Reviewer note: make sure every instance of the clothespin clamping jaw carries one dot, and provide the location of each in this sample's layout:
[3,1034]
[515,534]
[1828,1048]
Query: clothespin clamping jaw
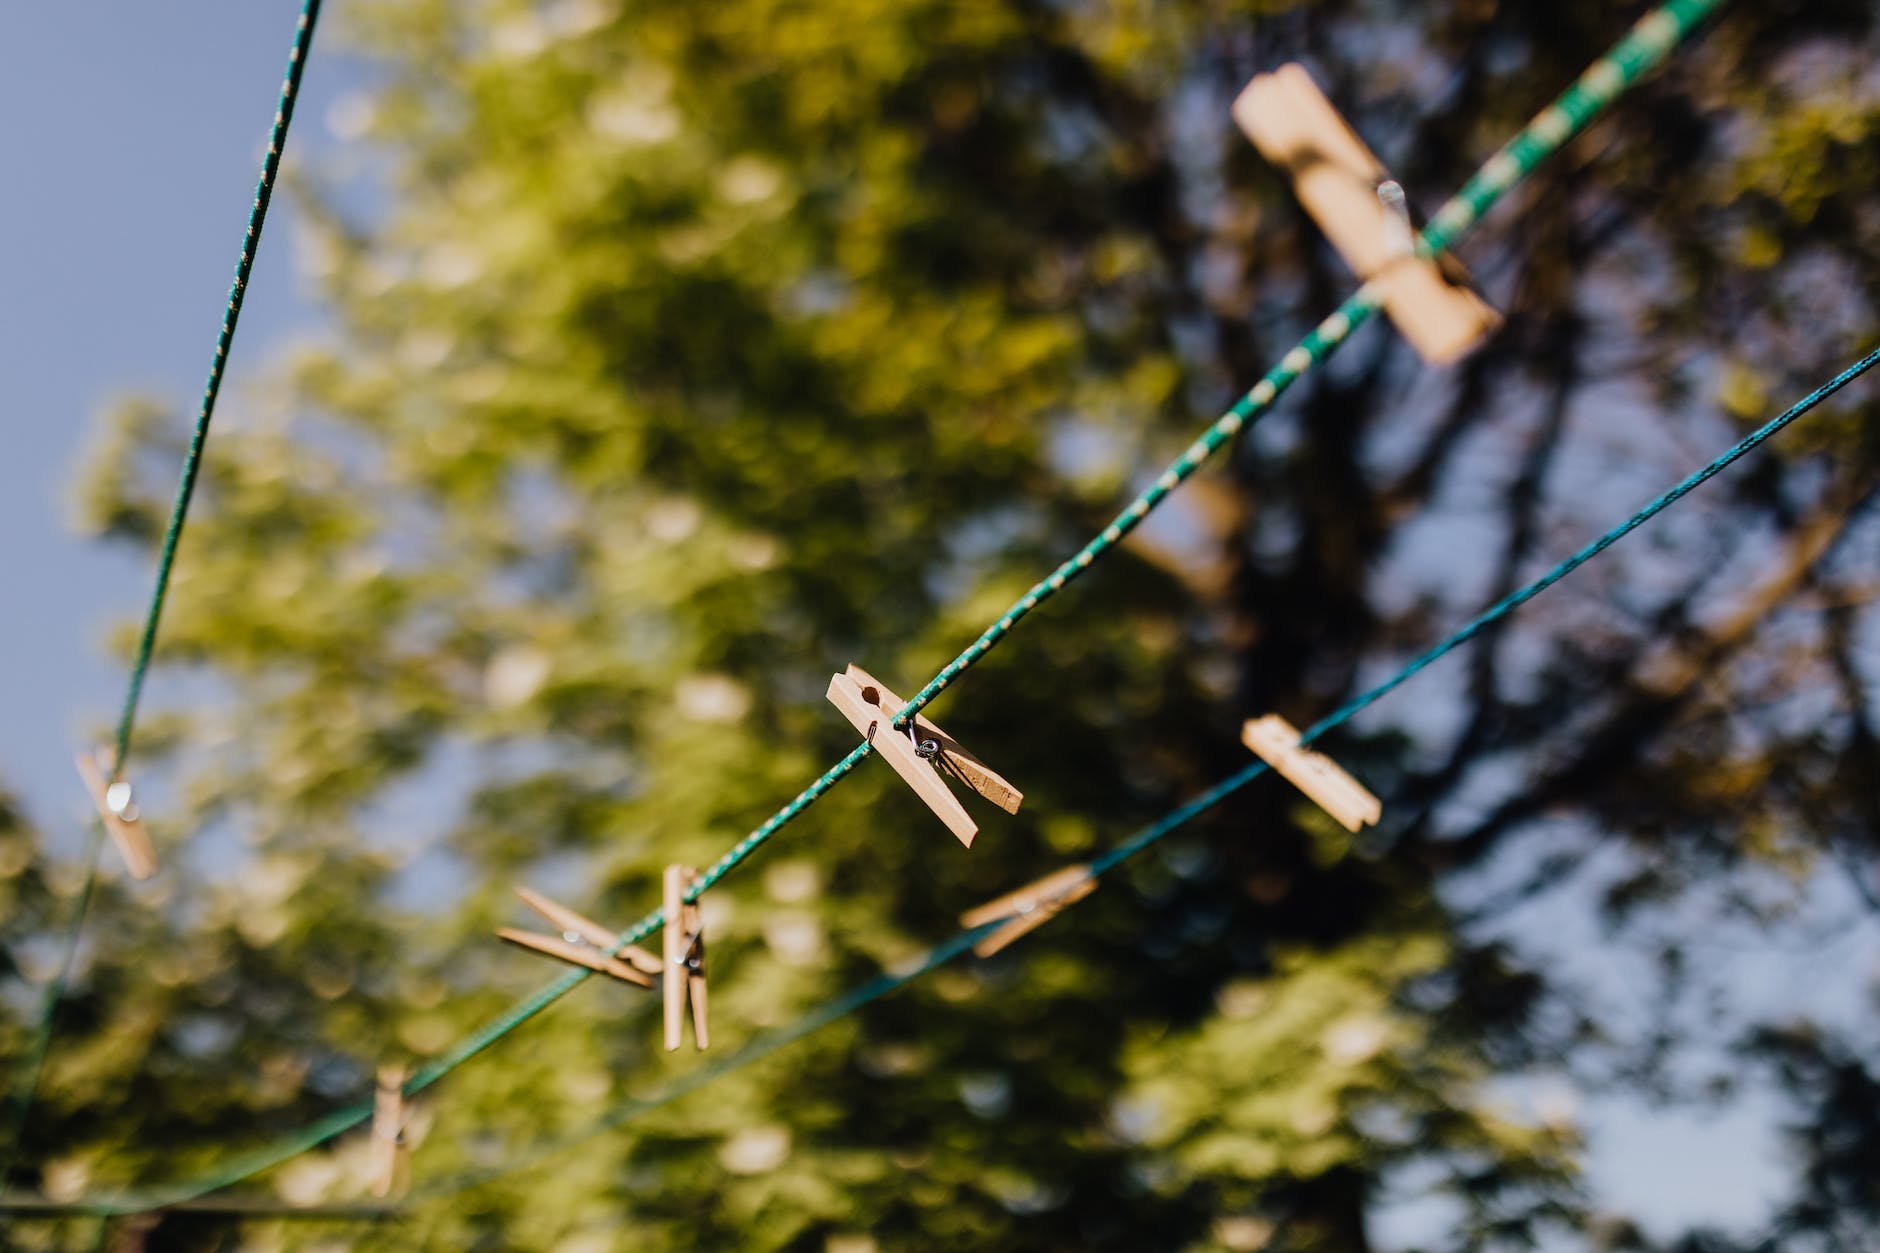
[389,1169]
[684,937]
[920,753]
[118,812]
[1361,209]
[1318,776]
[583,942]
[1030,907]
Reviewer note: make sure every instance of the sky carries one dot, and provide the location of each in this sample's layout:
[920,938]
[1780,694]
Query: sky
[133,140]
[132,137]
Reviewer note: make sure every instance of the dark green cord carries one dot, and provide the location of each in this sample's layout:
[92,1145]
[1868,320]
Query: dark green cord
[771,1041]
[849,1002]
[192,462]
[1642,48]
[26,1084]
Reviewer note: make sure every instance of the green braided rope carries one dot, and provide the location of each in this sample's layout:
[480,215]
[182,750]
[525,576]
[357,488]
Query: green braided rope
[770,1042]
[758,1047]
[763,1045]
[237,1209]
[1641,48]
[27,1085]
[192,462]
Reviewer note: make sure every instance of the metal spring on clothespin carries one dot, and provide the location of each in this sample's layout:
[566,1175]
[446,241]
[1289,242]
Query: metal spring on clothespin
[1399,238]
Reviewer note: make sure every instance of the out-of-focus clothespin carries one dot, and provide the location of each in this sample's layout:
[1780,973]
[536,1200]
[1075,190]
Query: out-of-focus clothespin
[1361,209]
[920,753]
[122,821]
[1030,907]
[389,1168]
[684,938]
[583,942]
[1318,776]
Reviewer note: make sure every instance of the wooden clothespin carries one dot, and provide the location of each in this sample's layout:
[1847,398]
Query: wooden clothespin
[920,752]
[1318,776]
[389,1165]
[1352,197]
[1030,907]
[119,814]
[583,942]
[684,937]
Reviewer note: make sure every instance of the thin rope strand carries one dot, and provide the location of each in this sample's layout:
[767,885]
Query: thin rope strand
[1642,48]
[763,1045]
[212,388]
[1646,44]
[26,1085]
[33,1061]
[1608,77]
[1514,600]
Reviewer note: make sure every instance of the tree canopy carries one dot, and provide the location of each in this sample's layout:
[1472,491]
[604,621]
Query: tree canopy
[681,354]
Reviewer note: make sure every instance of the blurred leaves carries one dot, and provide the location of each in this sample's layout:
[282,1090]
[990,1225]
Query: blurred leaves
[700,350]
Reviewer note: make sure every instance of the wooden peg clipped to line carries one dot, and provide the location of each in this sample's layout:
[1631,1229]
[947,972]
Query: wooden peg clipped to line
[1030,907]
[389,1167]
[920,757]
[583,942]
[1318,776]
[122,821]
[684,937]
[1353,199]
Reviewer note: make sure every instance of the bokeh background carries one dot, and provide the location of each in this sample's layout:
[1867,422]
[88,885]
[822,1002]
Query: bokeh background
[614,372]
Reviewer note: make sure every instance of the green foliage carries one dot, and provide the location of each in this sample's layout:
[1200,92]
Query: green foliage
[703,349]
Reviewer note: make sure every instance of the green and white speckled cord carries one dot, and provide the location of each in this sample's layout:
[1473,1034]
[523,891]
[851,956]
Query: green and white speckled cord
[1611,75]
[27,1082]
[1644,47]
[771,1041]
